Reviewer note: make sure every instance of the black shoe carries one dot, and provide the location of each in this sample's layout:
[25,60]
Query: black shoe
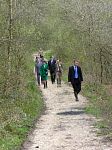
[77,99]
[76,96]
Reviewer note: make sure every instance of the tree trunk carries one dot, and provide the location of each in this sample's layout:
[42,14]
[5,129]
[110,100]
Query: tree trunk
[10,37]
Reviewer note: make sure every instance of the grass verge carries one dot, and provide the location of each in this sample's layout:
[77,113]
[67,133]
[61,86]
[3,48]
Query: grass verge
[17,116]
[100,105]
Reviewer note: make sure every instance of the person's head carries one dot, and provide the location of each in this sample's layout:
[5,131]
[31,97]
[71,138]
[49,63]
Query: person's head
[45,61]
[52,57]
[58,61]
[36,59]
[42,58]
[76,62]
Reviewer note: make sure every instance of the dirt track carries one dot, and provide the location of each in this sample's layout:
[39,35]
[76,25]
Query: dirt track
[64,126]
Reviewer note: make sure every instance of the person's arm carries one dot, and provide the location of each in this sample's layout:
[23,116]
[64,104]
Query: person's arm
[41,70]
[49,65]
[81,76]
[35,69]
[61,67]
[69,78]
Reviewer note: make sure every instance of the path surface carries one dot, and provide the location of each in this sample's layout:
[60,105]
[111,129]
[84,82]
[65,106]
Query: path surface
[64,126]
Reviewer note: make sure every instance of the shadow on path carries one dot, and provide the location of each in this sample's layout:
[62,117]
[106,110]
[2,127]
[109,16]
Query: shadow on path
[75,111]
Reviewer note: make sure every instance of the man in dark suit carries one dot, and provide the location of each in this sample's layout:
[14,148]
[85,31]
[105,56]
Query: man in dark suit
[52,68]
[75,77]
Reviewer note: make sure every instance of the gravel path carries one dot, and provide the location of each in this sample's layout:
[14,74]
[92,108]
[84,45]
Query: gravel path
[64,126]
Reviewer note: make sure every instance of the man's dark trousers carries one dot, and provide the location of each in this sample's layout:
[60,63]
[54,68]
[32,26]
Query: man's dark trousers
[76,85]
[76,82]
[52,68]
[53,76]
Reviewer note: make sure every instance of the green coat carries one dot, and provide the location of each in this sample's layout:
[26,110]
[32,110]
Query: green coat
[44,72]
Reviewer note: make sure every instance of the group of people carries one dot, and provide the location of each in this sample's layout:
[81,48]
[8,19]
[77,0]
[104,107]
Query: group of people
[55,68]
[41,70]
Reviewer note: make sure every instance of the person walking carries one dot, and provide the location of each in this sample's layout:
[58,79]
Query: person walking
[44,73]
[38,65]
[52,69]
[59,70]
[75,77]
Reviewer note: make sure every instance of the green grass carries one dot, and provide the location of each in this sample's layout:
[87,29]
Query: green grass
[48,54]
[100,105]
[17,117]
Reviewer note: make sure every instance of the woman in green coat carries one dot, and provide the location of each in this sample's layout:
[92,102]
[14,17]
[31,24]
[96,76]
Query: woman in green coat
[44,73]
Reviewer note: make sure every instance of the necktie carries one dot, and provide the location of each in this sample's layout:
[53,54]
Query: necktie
[76,72]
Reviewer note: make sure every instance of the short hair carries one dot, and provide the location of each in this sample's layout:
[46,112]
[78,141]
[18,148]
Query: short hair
[76,60]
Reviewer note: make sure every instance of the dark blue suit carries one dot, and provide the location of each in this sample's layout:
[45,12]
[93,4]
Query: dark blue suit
[52,68]
[76,82]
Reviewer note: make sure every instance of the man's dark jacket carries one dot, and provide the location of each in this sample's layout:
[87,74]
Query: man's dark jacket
[71,74]
[52,66]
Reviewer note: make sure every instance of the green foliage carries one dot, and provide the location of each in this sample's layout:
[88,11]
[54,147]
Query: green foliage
[20,101]
[100,106]
[48,54]
[68,29]
[17,117]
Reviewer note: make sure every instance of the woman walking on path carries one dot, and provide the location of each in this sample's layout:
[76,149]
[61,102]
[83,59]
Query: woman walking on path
[58,72]
[44,73]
